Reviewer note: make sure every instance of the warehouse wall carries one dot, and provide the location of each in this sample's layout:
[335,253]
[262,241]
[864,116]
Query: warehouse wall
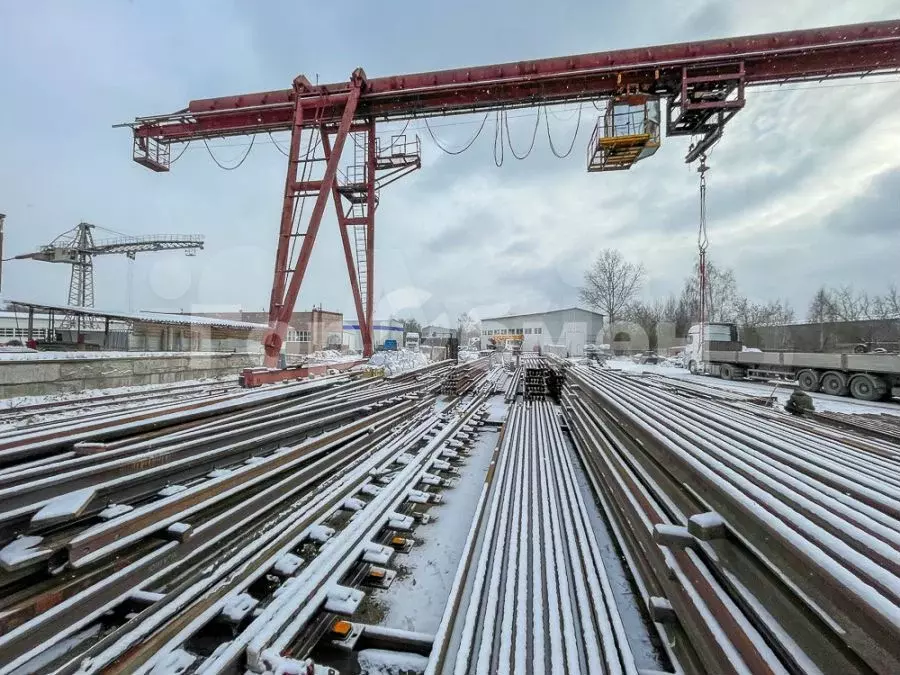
[53,373]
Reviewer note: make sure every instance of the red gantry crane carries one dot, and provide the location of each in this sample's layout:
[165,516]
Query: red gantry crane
[700,84]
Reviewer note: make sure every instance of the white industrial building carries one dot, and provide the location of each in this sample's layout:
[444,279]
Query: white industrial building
[569,330]
[382,329]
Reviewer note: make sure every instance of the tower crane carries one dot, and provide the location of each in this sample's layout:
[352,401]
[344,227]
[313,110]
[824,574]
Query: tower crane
[701,86]
[77,247]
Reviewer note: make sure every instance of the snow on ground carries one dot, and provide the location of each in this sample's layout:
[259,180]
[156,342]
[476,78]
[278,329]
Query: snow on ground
[467,355]
[385,662]
[781,390]
[331,356]
[394,363]
[416,599]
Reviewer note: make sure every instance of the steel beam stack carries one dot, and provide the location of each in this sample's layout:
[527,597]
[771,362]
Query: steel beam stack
[761,544]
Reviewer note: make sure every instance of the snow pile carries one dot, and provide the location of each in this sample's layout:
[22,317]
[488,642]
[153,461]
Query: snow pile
[330,356]
[394,363]
[467,355]
[385,662]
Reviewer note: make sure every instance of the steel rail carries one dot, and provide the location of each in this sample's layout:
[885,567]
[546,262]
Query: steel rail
[556,612]
[42,444]
[122,480]
[342,552]
[209,541]
[835,525]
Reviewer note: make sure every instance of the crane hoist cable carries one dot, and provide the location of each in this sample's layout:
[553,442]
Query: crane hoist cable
[702,245]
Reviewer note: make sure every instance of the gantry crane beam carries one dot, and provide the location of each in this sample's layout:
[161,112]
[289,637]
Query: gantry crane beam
[703,83]
[773,58]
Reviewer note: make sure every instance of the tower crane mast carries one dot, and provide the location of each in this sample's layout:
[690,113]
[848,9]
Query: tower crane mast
[77,247]
[701,84]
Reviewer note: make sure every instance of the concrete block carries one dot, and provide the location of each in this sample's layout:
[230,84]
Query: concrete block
[142,366]
[28,372]
[69,370]
[110,382]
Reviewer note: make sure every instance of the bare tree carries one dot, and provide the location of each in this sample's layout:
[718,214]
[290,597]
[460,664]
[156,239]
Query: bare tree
[648,315]
[821,308]
[887,306]
[772,313]
[468,328]
[723,299]
[611,284]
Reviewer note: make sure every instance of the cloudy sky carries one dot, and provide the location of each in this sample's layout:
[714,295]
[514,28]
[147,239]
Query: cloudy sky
[804,188]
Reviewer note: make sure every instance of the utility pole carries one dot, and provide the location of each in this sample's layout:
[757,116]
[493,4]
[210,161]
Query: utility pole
[2,219]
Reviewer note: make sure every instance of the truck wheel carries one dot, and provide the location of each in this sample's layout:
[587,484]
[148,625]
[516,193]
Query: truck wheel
[692,367]
[726,371]
[808,380]
[867,387]
[835,383]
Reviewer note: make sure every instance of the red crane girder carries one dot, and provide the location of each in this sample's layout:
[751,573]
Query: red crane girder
[774,58]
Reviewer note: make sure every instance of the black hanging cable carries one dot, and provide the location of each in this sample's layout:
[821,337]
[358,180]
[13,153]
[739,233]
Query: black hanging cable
[537,121]
[572,144]
[236,166]
[465,147]
[183,150]
[275,143]
[498,139]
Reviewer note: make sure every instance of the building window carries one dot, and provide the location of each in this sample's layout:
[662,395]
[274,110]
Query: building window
[527,331]
[302,336]
[538,330]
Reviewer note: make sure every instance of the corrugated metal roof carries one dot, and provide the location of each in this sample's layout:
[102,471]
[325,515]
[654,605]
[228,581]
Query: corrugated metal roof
[142,317]
[549,311]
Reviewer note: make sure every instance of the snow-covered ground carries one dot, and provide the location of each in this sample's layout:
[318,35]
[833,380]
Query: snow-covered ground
[385,662]
[331,356]
[780,390]
[394,363]
[416,599]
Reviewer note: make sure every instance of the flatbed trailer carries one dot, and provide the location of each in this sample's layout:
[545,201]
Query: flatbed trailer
[868,377]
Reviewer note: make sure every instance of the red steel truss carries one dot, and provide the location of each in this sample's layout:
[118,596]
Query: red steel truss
[703,83]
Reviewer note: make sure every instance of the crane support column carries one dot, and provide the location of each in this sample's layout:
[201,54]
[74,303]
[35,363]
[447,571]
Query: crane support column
[370,237]
[282,308]
[289,204]
[344,225]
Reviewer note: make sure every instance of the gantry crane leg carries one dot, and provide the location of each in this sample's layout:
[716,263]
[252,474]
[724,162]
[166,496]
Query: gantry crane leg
[284,292]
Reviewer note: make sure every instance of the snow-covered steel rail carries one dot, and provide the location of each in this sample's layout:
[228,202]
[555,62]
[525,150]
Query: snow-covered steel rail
[377,490]
[762,546]
[30,445]
[45,608]
[49,412]
[151,569]
[537,599]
